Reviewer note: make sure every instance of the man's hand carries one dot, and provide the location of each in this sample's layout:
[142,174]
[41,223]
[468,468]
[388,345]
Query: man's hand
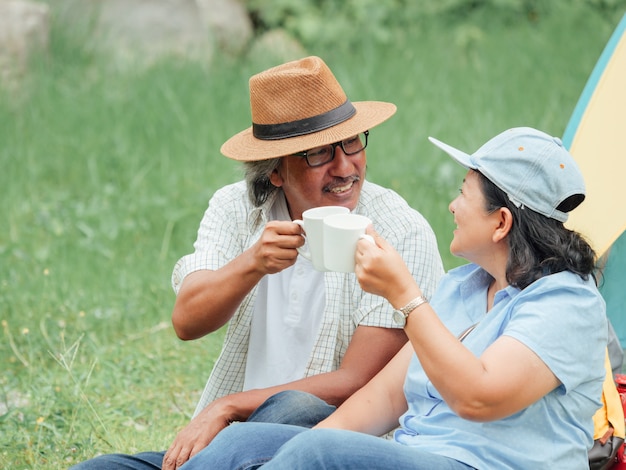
[195,436]
[276,249]
[208,299]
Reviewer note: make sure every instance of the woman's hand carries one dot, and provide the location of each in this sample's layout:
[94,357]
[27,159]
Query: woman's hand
[381,270]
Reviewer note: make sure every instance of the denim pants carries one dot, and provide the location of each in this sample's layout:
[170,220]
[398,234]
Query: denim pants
[247,446]
[289,407]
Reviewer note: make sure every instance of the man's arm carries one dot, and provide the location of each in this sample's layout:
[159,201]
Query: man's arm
[208,299]
[369,351]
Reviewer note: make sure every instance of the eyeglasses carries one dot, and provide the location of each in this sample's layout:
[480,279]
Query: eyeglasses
[321,155]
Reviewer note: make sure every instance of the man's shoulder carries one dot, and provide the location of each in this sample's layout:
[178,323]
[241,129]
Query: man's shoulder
[373,189]
[374,194]
[232,203]
[380,203]
[232,197]
[230,191]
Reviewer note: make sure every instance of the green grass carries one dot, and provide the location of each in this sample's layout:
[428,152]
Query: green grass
[106,173]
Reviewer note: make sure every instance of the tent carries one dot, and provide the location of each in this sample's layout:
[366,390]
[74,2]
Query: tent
[595,137]
[613,287]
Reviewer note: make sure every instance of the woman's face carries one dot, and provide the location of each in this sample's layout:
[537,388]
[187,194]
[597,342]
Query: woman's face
[475,227]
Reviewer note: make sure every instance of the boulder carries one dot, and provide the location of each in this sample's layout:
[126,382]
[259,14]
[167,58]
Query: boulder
[136,31]
[276,47]
[228,22]
[24,32]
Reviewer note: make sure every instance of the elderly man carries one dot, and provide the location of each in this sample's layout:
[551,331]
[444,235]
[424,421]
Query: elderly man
[299,341]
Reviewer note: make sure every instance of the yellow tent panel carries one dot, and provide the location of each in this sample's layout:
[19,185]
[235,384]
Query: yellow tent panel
[596,137]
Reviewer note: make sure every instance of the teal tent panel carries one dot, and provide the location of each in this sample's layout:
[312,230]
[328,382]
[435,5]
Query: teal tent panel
[612,284]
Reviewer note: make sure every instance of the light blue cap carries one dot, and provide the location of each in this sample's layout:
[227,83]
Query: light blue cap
[530,166]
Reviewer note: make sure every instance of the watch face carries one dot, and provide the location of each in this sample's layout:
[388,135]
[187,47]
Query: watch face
[399,318]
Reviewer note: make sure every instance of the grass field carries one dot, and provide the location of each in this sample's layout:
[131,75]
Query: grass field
[106,173]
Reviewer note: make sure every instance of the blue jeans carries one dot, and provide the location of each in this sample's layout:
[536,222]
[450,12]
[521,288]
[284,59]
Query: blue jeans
[289,407]
[247,446]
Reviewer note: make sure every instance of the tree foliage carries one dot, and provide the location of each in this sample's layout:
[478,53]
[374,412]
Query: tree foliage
[342,23]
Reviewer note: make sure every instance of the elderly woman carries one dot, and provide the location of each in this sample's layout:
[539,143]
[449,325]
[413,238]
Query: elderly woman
[505,363]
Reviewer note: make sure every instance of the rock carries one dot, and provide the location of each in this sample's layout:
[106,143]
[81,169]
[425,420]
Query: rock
[229,23]
[24,31]
[149,29]
[136,31]
[276,47]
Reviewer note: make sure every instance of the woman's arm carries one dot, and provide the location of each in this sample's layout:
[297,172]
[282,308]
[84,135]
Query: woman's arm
[377,406]
[506,378]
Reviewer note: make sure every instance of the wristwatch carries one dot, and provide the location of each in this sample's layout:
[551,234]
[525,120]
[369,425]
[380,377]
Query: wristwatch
[400,315]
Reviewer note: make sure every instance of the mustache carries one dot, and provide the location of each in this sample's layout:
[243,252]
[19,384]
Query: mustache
[338,182]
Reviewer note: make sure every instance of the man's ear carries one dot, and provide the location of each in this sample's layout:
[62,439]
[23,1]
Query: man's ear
[505,223]
[275,178]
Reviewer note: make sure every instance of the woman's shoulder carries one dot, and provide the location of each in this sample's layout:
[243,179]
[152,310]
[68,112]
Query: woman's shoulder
[566,292]
[565,281]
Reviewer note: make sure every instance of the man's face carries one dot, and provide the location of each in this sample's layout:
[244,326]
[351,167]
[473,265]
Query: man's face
[336,183]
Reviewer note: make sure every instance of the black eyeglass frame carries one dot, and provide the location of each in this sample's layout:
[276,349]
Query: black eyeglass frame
[304,154]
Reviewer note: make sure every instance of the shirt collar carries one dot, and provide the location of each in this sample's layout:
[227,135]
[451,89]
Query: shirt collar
[476,279]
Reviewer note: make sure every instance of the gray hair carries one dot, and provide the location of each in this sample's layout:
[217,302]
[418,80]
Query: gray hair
[258,181]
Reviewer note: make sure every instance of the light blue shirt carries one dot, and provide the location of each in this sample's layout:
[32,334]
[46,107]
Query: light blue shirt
[562,319]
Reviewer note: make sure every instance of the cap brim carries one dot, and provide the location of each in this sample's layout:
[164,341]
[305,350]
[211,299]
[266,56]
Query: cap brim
[245,147]
[461,157]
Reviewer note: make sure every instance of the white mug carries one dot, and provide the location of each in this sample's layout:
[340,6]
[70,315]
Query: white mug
[313,224]
[341,235]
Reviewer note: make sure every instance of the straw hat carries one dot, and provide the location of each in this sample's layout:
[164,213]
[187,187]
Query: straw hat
[297,106]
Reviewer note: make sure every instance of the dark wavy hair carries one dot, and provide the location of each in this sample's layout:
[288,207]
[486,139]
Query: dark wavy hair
[257,176]
[539,245]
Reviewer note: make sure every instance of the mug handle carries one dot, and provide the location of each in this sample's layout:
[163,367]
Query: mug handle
[301,250]
[367,237]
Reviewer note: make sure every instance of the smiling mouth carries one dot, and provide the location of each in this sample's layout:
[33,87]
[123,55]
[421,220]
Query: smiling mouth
[341,187]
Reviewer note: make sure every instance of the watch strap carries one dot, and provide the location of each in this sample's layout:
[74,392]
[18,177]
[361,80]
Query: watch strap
[412,305]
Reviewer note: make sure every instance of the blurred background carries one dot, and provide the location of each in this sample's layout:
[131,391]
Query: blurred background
[112,113]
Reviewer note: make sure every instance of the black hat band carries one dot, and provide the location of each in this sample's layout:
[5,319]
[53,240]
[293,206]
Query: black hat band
[305,126]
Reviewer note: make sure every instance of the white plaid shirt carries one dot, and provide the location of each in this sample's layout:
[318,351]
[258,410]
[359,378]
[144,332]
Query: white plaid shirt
[231,224]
